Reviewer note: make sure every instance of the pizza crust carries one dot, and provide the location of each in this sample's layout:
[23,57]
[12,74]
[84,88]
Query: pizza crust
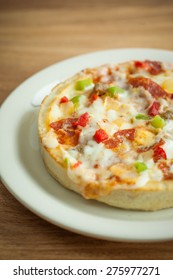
[153,196]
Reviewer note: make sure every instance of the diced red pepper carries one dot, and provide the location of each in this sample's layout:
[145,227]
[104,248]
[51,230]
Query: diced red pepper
[83,120]
[158,144]
[100,136]
[154,109]
[64,99]
[138,64]
[77,164]
[159,153]
[93,97]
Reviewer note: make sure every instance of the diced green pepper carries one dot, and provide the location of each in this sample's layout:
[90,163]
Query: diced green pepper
[142,117]
[83,84]
[140,166]
[158,122]
[66,162]
[113,90]
[75,100]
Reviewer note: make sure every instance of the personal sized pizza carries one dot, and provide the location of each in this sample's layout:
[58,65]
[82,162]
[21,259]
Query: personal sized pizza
[107,134]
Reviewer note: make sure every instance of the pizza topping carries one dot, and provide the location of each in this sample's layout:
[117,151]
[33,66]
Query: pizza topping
[138,64]
[126,139]
[165,168]
[161,142]
[142,117]
[159,153]
[93,97]
[113,142]
[64,99]
[75,101]
[100,136]
[66,131]
[65,124]
[158,122]
[148,84]
[144,137]
[140,166]
[100,88]
[153,67]
[127,133]
[168,114]
[66,162]
[154,109]
[69,137]
[144,149]
[119,137]
[83,84]
[75,165]
[114,90]
[168,85]
[82,120]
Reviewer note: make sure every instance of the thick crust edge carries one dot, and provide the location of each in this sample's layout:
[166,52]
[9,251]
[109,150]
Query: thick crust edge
[137,199]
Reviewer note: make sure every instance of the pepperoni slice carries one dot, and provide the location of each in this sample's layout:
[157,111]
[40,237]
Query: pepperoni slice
[68,137]
[165,168]
[128,133]
[64,124]
[154,89]
[153,67]
[155,146]
[118,138]
[113,143]
[67,132]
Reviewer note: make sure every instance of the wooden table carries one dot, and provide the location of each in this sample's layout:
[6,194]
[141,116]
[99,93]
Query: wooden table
[35,34]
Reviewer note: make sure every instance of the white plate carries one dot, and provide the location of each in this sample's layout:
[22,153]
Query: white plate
[25,176]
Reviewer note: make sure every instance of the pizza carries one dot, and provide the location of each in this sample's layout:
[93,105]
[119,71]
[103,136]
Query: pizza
[107,134]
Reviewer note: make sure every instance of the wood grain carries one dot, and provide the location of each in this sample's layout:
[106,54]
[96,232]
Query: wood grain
[35,34]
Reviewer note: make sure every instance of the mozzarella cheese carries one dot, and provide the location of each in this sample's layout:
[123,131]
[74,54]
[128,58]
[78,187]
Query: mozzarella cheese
[134,140]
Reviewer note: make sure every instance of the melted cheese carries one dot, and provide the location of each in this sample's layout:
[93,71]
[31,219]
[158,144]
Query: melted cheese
[168,148]
[143,179]
[55,113]
[99,163]
[50,140]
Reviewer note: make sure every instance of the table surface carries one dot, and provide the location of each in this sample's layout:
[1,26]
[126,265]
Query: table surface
[35,34]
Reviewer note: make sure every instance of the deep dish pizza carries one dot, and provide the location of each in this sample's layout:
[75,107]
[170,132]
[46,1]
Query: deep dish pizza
[107,134]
